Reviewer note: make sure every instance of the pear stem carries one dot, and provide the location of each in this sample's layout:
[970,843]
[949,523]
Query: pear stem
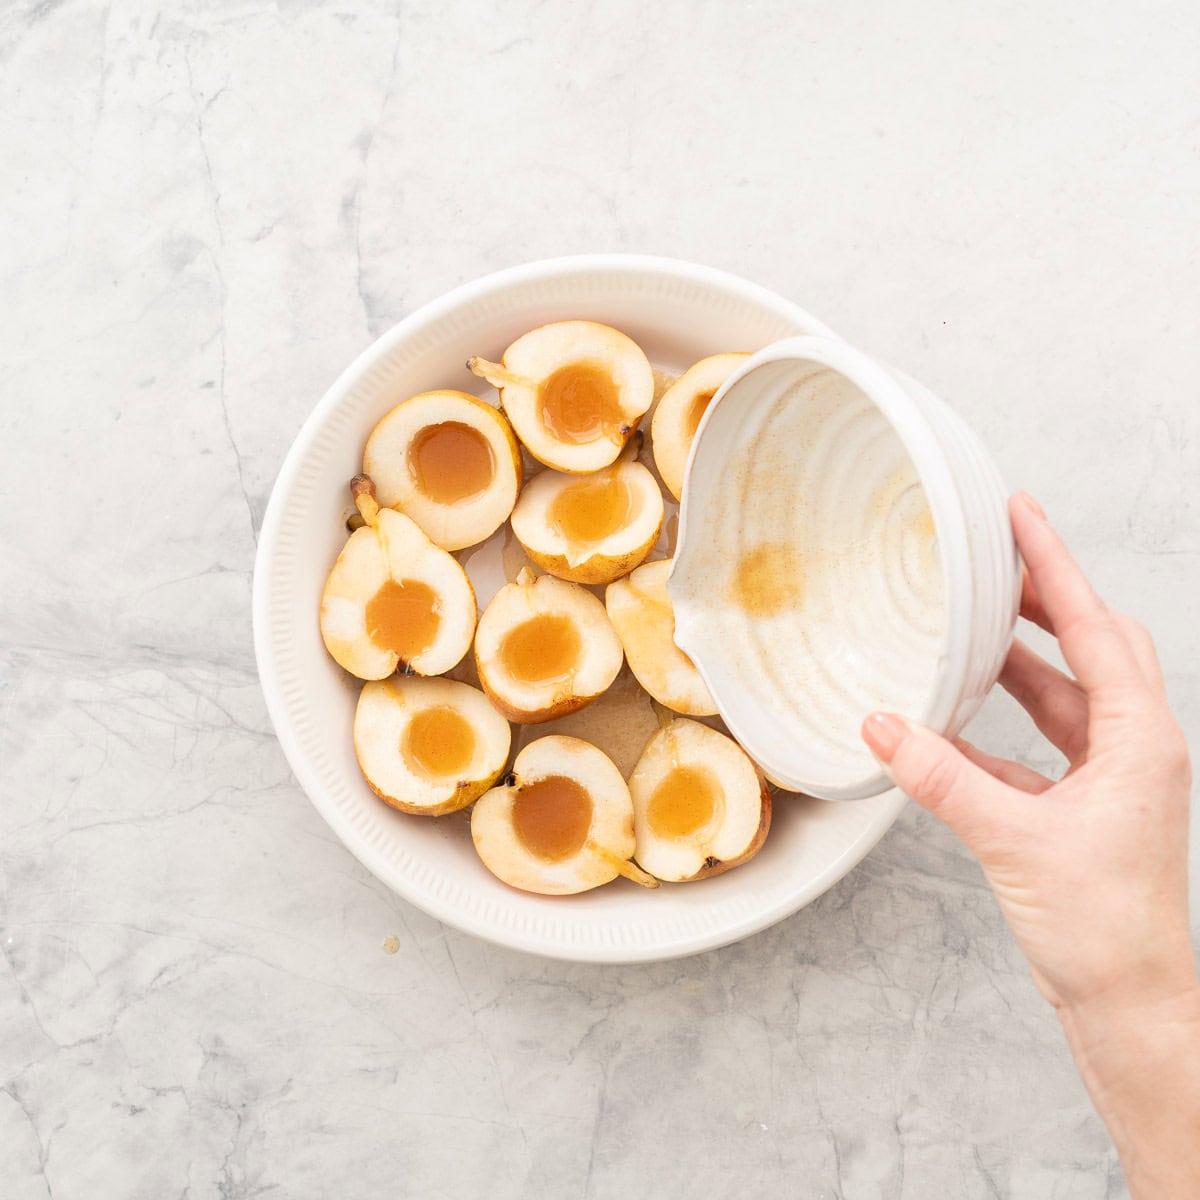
[362,488]
[624,866]
[496,374]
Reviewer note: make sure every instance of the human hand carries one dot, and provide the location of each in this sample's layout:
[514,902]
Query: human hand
[1090,871]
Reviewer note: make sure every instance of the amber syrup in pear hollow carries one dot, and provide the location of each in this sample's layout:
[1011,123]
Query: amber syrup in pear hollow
[403,616]
[580,402]
[451,461]
[544,649]
[684,802]
[439,742]
[552,817]
[592,510]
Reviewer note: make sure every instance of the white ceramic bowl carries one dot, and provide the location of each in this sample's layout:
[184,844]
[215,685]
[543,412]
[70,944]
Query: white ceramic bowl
[679,313]
[887,525]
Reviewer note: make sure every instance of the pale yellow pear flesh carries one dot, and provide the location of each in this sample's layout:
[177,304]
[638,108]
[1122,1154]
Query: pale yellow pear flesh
[592,528]
[545,648]
[563,825]
[639,608]
[574,392]
[450,462]
[679,411]
[428,746]
[700,805]
[394,598]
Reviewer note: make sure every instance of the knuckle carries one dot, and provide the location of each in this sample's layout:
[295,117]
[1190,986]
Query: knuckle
[1134,630]
[1176,756]
[1158,745]
[1102,624]
[933,781]
[1146,640]
[1132,627]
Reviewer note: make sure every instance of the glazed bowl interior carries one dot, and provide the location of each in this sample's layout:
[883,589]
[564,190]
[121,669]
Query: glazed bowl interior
[824,570]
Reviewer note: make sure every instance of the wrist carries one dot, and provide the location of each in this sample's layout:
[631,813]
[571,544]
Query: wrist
[1102,1028]
[1154,979]
[1139,1057]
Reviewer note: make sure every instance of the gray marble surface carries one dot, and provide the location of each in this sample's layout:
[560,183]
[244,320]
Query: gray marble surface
[207,209]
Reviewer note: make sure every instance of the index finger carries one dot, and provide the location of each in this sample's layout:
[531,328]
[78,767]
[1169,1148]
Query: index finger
[1092,642]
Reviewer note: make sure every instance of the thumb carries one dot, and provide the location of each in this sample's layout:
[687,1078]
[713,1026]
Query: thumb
[935,774]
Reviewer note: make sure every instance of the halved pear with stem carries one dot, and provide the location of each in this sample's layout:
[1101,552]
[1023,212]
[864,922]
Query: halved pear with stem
[700,806]
[574,392]
[591,528]
[639,608]
[544,648]
[561,823]
[428,746]
[393,598]
[448,461]
[679,411]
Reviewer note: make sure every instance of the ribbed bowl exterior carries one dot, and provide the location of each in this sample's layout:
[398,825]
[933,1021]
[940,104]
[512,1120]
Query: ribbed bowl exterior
[990,608]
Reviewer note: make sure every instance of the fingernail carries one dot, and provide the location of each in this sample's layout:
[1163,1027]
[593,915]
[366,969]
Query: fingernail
[1027,502]
[884,732]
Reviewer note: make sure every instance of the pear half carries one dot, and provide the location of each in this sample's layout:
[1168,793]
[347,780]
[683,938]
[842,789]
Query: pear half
[544,648]
[562,822]
[679,411]
[448,461]
[590,529]
[574,392]
[639,608]
[428,746]
[700,805]
[394,598]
